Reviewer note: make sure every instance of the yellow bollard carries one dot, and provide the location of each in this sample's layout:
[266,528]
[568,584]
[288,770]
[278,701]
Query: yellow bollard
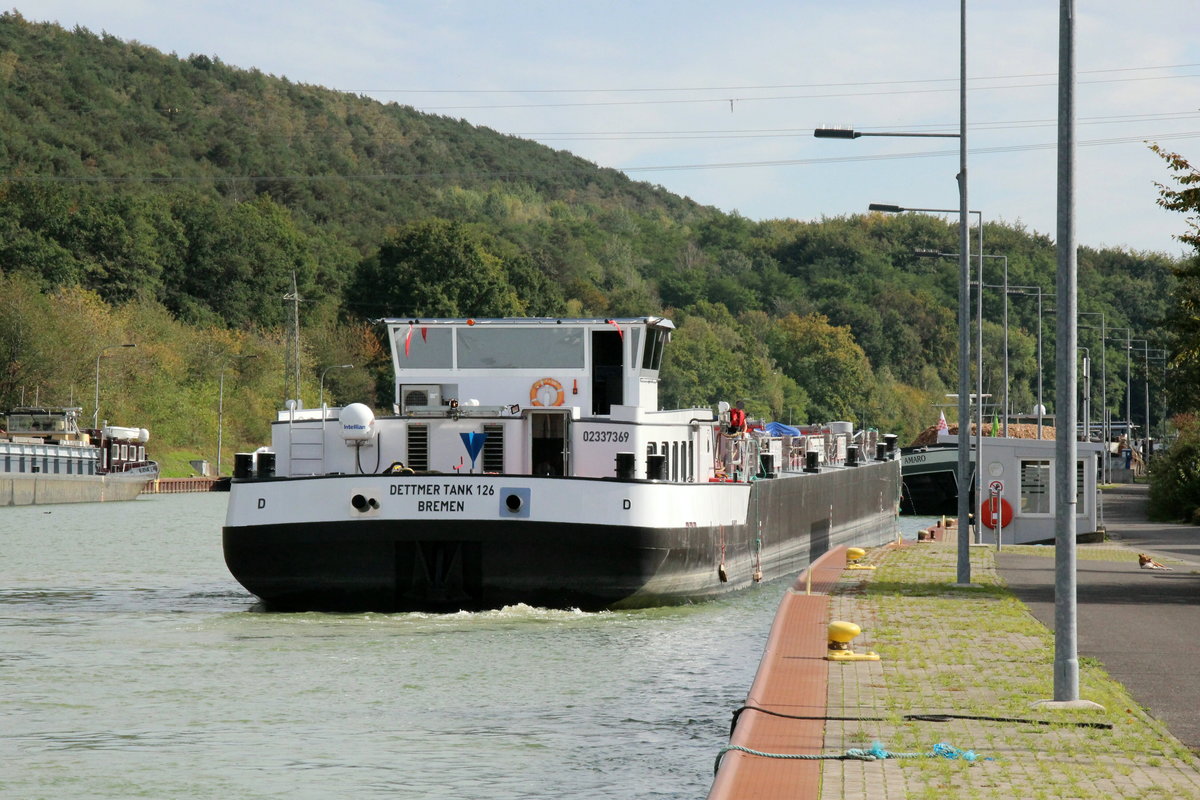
[840,635]
[853,554]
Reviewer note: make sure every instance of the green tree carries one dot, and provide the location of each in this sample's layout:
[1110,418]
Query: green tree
[826,362]
[435,268]
[1175,475]
[1184,316]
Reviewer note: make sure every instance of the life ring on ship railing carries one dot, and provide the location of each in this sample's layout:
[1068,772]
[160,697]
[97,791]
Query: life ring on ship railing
[544,382]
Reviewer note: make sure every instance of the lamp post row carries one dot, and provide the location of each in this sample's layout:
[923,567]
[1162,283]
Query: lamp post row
[1066,665]
[964,462]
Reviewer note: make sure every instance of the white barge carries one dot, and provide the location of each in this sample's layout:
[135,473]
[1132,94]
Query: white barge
[526,461]
[45,457]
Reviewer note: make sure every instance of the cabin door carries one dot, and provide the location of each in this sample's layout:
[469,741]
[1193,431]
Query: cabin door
[548,443]
[608,385]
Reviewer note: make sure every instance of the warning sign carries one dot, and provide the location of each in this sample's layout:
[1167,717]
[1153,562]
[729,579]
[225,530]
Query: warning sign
[996,487]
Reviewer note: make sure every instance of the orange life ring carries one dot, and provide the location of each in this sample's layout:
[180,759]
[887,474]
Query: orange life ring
[553,384]
[995,514]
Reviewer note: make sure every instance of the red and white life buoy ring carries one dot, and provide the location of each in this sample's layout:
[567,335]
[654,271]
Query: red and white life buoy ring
[535,393]
[996,512]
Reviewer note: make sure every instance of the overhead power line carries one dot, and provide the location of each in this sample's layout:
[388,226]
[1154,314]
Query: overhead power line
[751,87]
[808,129]
[542,173]
[779,97]
[805,132]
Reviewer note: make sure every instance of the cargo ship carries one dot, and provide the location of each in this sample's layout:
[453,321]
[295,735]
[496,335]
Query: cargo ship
[46,457]
[527,461]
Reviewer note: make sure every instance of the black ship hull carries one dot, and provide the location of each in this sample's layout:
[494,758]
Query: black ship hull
[393,563]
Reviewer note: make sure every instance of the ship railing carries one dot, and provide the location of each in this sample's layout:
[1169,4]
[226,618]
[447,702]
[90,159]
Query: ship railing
[867,441]
[737,456]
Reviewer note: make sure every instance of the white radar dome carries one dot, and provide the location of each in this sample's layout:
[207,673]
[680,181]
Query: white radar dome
[358,423]
[143,435]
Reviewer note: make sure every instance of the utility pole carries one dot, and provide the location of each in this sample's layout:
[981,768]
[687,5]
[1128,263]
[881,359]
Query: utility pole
[294,298]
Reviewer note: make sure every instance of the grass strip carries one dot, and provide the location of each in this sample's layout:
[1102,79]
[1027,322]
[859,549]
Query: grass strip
[977,651]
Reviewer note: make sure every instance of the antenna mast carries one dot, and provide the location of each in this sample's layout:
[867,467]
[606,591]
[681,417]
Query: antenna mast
[294,297]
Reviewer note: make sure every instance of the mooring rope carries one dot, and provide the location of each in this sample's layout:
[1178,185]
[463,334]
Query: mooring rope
[922,717]
[875,753]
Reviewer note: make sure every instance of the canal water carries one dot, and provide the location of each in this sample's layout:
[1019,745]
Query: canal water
[133,665]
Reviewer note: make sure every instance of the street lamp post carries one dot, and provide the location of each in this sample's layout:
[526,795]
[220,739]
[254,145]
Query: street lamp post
[964,277]
[1128,395]
[1105,432]
[894,209]
[964,333]
[1087,393]
[1005,286]
[1145,348]
[96,403]
[321,404]
[1162,355]
[221,406]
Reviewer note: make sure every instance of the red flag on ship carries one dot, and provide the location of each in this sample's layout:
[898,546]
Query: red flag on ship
[408,340]
[942,426]
[617,325]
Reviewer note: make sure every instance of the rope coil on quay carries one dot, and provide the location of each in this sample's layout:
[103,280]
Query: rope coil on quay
[875,753]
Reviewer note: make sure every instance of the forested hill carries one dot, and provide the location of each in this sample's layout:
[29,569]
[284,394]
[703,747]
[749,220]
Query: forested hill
[141,191]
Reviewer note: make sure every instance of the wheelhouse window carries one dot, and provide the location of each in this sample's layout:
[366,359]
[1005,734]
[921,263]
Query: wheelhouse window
[652,357]
[551,347]
[424,348]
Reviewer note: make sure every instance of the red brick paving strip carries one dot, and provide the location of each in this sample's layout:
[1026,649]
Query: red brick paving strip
[792,679]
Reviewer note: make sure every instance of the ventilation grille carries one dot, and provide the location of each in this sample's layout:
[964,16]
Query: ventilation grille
[493,448]
[418,447]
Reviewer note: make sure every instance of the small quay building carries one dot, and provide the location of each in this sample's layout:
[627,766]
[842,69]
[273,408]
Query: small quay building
[1019,504]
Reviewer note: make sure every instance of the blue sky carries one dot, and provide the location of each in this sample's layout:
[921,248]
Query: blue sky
[718,102]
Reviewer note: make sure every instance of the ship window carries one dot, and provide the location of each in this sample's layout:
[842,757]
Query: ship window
[691,461]
[1035,487]
[674,461]
[557,347]
[651,449]
[124,452]
[428,348]
[655,339]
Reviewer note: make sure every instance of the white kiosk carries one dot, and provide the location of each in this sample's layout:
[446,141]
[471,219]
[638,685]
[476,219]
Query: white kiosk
[1019,490]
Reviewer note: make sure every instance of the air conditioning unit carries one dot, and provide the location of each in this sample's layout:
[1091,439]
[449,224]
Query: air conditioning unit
[419,396]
